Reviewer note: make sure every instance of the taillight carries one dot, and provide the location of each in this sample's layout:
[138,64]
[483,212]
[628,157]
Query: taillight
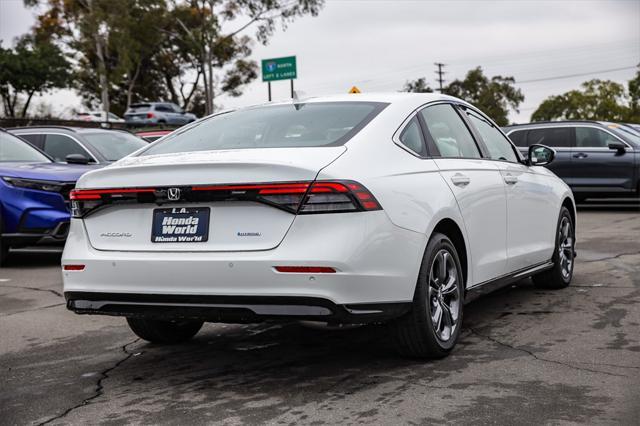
[85,200]
[150,115]
[336,197]
[295,197]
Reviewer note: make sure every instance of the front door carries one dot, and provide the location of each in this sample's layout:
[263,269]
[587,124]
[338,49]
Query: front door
[596,168]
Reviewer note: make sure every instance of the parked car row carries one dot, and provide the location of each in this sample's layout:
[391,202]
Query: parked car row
[596,159]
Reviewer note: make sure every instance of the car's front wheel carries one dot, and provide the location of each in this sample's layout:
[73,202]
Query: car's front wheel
[164,332]
[563,256]
[432,327]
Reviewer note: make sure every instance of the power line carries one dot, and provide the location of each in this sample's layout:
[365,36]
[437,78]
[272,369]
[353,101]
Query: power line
[560,77]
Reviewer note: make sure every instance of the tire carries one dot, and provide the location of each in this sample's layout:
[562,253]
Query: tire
[4,247]
[4,253]
[164,332]
[415,334]
[563,256]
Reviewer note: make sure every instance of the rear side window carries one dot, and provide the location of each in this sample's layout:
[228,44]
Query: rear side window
[589,137]
[412,137]
[59,146]
[499,147]
[449,133]
[557,137]
[276,126]
[519,138]
[35,140]
[14,149]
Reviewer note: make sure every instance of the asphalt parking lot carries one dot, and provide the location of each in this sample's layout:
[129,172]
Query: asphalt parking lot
[526,356]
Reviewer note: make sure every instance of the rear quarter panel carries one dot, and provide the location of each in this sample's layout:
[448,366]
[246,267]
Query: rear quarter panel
[410,190]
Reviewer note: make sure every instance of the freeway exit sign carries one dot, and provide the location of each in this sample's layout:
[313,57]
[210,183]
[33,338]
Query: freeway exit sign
[279,69]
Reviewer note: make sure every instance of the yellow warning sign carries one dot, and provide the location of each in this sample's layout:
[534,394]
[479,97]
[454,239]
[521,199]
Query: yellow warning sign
[354,89]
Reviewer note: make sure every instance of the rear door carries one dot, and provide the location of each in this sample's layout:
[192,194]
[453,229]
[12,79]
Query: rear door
[598,168]
[477,185]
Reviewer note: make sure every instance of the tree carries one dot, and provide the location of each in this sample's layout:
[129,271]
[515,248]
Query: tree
[33,66]
[633,115]
[222,57]
[495,96]
[418,85]
[133,50]
[596,100]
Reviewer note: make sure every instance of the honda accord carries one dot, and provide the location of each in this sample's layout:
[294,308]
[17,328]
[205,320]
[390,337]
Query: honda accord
[353,209]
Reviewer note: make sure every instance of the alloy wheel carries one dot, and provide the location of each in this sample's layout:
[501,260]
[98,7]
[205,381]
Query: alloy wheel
[444,296]
[565,247]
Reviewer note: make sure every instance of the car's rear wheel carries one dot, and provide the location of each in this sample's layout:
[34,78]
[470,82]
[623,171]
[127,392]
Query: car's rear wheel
[563,256]
[164,332]
[4,253]
[432,327]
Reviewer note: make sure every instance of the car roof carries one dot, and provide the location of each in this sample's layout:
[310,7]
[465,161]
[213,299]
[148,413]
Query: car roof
[401,99]
[69,129]
[554,123]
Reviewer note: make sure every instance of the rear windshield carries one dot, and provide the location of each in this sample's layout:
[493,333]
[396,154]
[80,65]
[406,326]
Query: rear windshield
[138,107]
[276,126]
[15,149]
[114,145]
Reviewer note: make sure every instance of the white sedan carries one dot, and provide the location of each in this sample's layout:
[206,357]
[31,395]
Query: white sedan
[352,209]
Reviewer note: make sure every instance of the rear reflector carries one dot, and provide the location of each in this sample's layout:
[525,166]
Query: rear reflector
[305,269]
[73,267]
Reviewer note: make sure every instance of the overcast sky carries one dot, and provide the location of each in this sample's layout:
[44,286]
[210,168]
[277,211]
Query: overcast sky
[378,45]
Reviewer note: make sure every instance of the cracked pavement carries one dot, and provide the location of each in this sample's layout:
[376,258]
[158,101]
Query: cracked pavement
[526,356]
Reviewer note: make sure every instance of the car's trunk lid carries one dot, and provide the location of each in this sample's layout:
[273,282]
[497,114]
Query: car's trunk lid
[234,224]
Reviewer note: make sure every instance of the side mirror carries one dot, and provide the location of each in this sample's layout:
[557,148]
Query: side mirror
[617,146]
[540,155]
[76,159]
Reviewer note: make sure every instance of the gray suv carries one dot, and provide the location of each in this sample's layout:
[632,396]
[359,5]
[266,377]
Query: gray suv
[151,113]
[596,159]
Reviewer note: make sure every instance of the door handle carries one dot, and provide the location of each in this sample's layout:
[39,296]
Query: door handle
[580,155]
[510,179]
[460,180]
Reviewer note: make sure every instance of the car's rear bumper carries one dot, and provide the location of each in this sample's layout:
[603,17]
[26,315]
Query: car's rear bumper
[376,262]
[232,309]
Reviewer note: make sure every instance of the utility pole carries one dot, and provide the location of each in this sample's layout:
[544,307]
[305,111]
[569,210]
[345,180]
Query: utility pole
[440,74]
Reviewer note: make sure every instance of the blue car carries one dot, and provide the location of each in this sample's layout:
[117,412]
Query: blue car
[34,195]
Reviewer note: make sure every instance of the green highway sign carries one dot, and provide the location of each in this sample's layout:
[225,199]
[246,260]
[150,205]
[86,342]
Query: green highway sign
[279,69]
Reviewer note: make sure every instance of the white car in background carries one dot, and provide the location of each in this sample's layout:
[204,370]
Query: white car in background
[98,116]
[348,209]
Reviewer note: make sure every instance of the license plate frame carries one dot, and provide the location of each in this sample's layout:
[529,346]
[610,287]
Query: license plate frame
[177,225]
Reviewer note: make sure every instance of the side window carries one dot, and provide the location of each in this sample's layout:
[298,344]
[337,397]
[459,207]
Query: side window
[555,137]
[411,137]
[59,146]
[589,137]
[163,108]
[519,138]
[449,133]
[35,140]
[499,147]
